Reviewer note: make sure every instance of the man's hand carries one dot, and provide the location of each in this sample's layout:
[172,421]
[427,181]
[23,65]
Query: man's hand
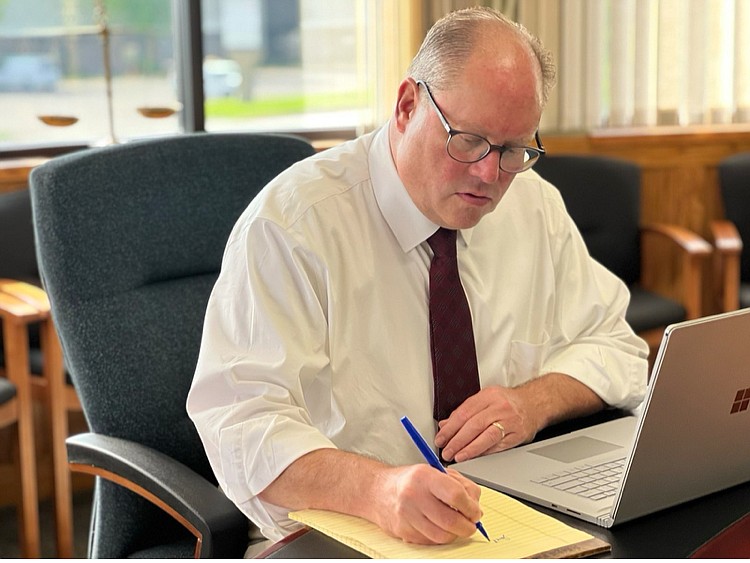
[469,431]
[519,412]
[415,503]
[426,506]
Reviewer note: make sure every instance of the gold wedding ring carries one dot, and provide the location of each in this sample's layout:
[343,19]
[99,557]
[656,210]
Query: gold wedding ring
[501,428]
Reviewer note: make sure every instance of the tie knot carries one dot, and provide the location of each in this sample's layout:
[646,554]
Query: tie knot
[443,242]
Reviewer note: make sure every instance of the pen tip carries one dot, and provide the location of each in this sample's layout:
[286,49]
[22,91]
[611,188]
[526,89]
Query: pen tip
[481,530]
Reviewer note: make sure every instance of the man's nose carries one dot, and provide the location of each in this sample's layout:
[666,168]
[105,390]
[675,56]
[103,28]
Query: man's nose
[488,169]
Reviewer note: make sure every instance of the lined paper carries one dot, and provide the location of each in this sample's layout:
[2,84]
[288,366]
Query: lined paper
[516,531]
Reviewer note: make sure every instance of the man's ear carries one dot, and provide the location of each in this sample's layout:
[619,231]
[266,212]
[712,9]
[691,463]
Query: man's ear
[406,103]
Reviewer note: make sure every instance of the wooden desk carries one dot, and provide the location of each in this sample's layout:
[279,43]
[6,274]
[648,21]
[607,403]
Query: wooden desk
[673,533]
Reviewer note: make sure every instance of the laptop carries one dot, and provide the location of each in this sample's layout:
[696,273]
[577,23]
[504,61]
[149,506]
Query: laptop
[689,437]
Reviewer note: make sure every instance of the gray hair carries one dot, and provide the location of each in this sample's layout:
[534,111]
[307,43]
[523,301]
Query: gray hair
[451,41]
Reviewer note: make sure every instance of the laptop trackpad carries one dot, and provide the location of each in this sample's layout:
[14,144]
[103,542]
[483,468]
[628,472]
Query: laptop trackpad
[570,451]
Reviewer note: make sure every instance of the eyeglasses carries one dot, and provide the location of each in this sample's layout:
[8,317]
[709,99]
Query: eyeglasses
[469,147]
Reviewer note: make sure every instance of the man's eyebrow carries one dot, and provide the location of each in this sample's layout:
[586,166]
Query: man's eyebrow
[522,141]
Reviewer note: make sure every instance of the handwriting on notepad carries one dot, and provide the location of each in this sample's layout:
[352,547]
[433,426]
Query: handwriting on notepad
[526,533]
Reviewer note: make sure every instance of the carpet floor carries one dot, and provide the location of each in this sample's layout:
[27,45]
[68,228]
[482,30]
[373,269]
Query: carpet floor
[9,547]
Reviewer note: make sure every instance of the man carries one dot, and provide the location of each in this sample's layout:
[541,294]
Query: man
[317,334]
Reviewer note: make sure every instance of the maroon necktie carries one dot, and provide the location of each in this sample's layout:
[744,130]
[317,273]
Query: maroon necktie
[454,356]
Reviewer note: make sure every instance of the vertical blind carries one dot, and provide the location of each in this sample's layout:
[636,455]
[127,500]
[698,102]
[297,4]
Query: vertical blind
[644,63]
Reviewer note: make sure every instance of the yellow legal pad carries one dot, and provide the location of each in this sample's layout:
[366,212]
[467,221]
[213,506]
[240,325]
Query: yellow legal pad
[516,531]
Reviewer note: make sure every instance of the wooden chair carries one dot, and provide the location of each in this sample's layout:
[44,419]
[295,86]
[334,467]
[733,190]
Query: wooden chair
[16,407]
[602,195]
[732,257]
[41,357]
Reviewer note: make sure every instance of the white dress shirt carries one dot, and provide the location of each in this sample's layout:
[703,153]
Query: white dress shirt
[317,333]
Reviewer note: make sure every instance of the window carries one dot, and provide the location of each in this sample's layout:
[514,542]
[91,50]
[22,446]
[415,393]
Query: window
[54,55]
[284,64]
[331,68]
[297,65]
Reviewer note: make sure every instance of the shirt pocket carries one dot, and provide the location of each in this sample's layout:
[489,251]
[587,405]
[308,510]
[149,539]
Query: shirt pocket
[526,359]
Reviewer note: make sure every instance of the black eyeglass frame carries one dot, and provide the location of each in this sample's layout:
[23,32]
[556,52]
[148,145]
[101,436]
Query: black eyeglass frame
[502,149]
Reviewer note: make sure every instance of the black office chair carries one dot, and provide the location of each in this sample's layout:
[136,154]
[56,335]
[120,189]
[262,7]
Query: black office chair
[130,239]
[732,266]
[602,195]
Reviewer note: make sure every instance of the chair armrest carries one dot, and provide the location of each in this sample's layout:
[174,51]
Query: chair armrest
[692,249]
[19,306]
[221,530]
[725,236]
[686,239]
[728,244]
[21,302]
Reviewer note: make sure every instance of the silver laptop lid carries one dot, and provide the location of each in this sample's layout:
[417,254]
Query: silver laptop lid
[693,434]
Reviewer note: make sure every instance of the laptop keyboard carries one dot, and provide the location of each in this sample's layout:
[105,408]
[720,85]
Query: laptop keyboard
[594,482]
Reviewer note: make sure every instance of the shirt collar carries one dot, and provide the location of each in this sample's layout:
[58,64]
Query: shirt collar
[410,227]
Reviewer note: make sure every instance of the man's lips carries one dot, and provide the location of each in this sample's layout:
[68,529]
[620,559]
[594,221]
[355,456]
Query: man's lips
[474,199]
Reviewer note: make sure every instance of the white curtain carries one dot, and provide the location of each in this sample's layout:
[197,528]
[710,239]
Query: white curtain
[634,63]
[621,63]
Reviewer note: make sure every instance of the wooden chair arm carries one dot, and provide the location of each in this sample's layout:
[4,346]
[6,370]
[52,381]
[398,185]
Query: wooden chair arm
[692,251]
[686,239]
[22,303]
[218,525]
[725,236]
[726,264]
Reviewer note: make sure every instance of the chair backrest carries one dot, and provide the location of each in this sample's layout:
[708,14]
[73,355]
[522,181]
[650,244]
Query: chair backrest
[130,240]
[17,255]
[734,186]
[602,195]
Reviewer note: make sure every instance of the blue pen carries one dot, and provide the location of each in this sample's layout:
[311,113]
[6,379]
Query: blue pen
[430,456]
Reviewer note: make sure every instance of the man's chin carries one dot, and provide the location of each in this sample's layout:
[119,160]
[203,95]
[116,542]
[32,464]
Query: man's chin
[468,218]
